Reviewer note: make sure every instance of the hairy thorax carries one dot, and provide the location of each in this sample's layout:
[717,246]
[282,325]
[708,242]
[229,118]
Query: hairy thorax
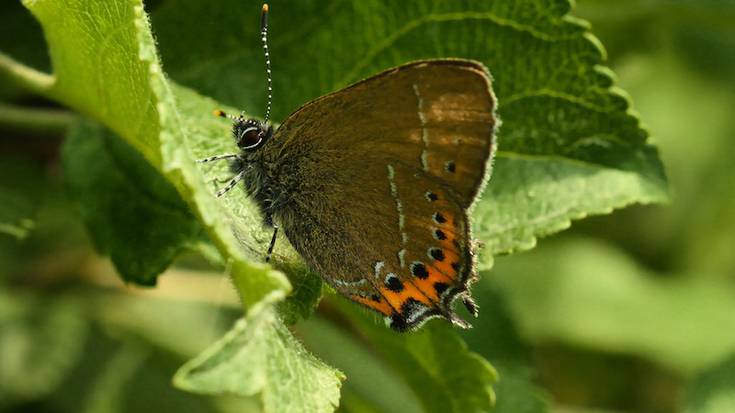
[271,182]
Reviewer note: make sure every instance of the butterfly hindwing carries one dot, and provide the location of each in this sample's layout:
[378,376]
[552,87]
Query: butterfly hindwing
[393,164]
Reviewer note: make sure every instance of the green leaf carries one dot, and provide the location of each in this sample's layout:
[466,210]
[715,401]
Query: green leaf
[533,196]
[307,291]
[40,340]
[127,91]
[133,214]
[260,356]
[435,362]
[569,145]
[713,391]
[583,293]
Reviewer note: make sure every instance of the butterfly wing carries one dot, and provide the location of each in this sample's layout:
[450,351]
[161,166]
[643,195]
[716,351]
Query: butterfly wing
[392,164]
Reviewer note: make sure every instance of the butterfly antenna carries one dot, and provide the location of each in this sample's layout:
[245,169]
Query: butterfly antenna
[264,38]
[222,114]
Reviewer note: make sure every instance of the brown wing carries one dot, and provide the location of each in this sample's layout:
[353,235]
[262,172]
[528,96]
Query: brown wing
[388,169]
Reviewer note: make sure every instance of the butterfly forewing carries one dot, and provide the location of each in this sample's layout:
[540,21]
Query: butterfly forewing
[393,163]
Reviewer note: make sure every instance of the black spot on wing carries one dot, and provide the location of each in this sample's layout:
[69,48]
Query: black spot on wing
[440,235]
[393,283]
[436,254]
[450,166]
[418,269]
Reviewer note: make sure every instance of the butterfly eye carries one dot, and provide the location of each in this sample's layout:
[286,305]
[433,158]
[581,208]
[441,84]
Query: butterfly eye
[248,137]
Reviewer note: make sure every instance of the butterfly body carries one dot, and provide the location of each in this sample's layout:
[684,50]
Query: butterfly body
[372,184]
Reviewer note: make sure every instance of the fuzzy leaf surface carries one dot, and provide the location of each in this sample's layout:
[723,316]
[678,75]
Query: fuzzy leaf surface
[260,356]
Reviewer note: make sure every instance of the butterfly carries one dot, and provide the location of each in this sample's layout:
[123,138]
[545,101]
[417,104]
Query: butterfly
[372,184]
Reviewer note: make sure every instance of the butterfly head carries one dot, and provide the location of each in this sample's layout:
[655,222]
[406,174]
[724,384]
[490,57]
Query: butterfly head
[249,134]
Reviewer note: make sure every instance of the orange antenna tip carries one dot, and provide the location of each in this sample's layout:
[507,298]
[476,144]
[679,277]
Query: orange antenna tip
[265,7]
[219,113]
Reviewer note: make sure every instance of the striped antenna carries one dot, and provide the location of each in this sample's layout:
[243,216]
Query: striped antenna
[264,38]
[222,114]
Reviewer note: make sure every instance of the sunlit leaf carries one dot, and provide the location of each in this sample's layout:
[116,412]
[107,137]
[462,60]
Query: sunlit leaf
[260,357]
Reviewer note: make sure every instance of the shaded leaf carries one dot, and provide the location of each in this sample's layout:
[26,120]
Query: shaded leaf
[260,357]
[132,213]
[307,291]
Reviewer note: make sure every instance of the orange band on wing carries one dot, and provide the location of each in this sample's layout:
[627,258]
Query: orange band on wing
[428,285]
[381,305]
[396,299]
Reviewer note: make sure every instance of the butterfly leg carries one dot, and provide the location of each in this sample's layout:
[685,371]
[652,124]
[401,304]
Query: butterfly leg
[231,184]
[218,158]
[272,244]
[220,181]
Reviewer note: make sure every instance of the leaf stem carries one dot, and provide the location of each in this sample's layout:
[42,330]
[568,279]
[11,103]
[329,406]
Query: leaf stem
[36,121]
[26,76]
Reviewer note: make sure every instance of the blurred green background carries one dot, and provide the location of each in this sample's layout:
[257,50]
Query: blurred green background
[652,331]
